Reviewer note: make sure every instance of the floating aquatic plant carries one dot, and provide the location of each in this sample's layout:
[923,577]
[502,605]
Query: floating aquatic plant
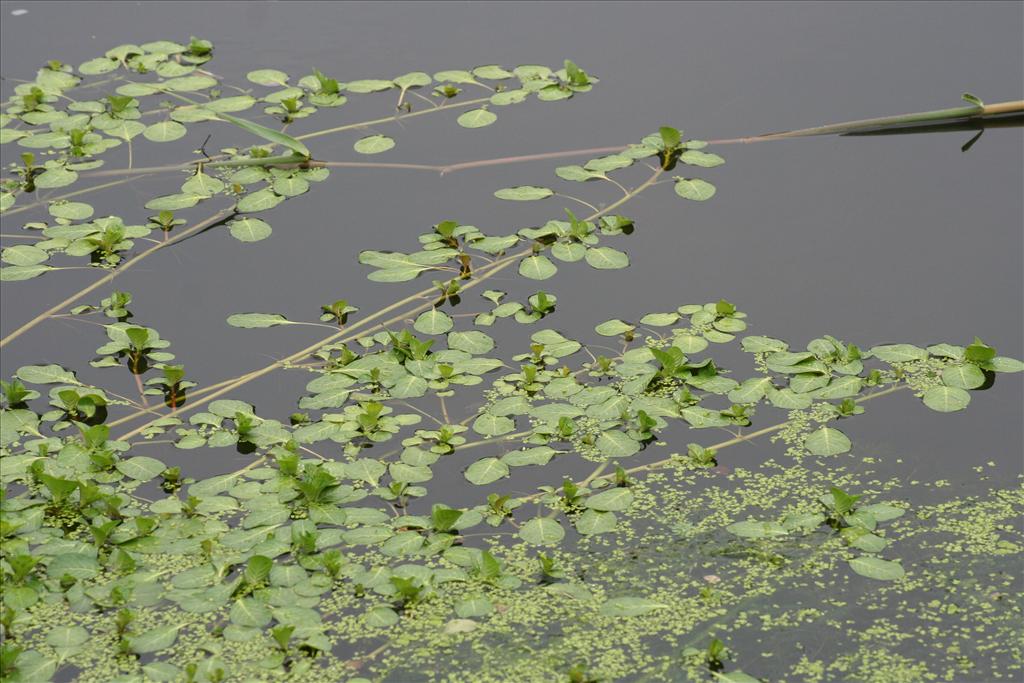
[328,556]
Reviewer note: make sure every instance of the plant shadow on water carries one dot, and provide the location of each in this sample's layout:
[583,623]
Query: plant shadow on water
[665,496]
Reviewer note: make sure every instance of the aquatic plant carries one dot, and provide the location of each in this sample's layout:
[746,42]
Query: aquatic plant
[328,556]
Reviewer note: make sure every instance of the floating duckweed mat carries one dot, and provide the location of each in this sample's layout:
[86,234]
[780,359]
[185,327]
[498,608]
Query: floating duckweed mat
[650,554]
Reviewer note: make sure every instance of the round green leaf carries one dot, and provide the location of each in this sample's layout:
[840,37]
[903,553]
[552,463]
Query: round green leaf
[486,471]
[267,77]
[23,255]
[967,376]
[164,131]
[373,144]
[256,320]
[877,568]
[154,640]
[72,211]
[946,399]
[433,321]
[827,441]
[538,267]
[473,341]
[261,200]
[694,188]
[542,531]
[249,229]
[140,468]
[523,193]
[477,118]
[615,499]
[606,258]
[613,328]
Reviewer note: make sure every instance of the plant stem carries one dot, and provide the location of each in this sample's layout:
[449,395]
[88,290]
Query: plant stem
[202,225]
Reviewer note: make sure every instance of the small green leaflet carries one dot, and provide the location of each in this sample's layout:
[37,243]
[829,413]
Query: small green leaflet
[877,568]
[946,399]
[542,531]
[255,320]
[249,229]
[486,471]
[695,189]
[827,441]
[477,118]
[373,144]
[524,193]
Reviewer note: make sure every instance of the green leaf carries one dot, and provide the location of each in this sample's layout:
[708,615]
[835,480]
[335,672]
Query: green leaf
[610,501]
[694,188]
[66,637]
[373,144]
[268,77]
[486,471]
[268,134]
[898,353]
[154,640]
[630,607]
[542,531]
[702,159]
[827,441]
[594,522]
[55,177]
[967,376]
[538,267]
[72,211]
[755,529]
[972,99]
[473,341]
[606,258]
[291,186]
[757,344]
[433,321]
[249,229]
[257,320]
[250,612]
[23,255]
[670,137]
[261,200]
[877,568]
[946,399]
[188,83]
[173,202]
[751,391]
[613,328]
[369,85]
[477,118]
[616,444]
[164,131]
[140,468]
[476,605]
[381,616]
[46,374]
[523,193]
